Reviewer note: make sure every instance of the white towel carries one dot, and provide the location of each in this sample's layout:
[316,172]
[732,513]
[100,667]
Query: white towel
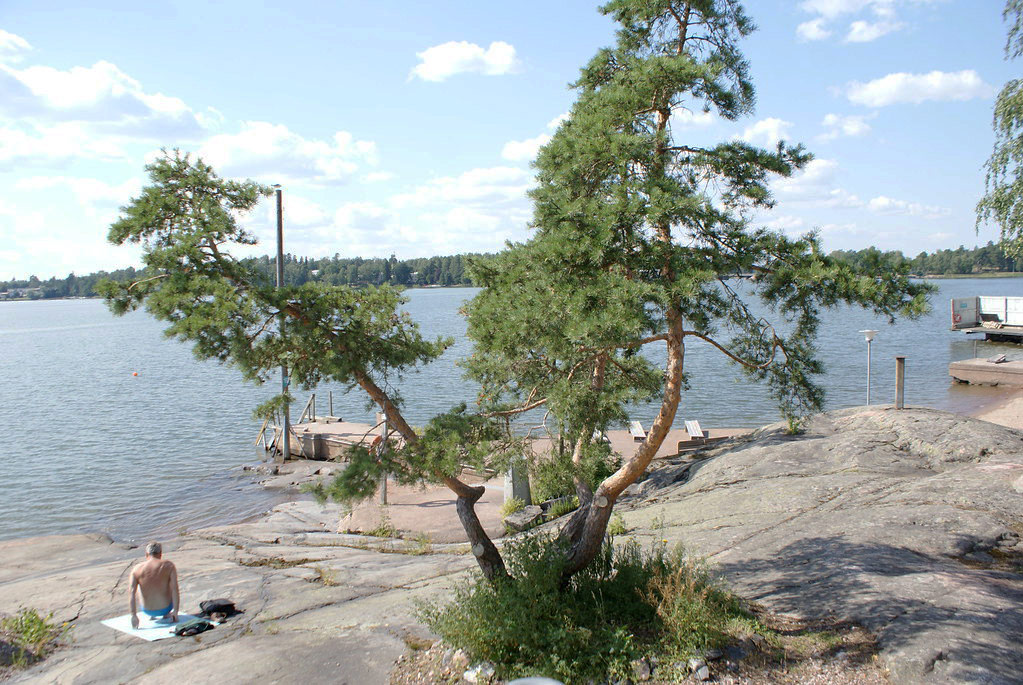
[149,629]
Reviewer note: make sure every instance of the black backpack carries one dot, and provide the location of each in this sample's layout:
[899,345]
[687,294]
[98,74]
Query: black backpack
[224,607]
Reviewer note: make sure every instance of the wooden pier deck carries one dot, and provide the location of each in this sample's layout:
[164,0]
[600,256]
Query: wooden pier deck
[328,437]
[984,372]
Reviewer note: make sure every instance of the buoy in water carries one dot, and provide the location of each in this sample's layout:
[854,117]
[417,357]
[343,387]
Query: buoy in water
[134,373]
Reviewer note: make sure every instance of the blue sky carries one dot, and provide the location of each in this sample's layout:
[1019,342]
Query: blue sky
[408,127]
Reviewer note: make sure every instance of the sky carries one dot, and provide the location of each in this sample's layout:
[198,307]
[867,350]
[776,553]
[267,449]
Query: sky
[408,128]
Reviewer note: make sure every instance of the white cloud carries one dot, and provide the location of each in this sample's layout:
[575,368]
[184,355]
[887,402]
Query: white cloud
[364,218]
[557,121]
[831,229]
[102,96]
[443,61]
[524,150]
[12,47]
[276,154]
[916,88]
[838,126]
[867,31]
[886,205]
[378,176]
[860,31]
[816,185]
[813,30]
[97,199]
[299,212]
[767,131]
[683,117]
[830,9]
[786,224]
[482,187]
[54,145]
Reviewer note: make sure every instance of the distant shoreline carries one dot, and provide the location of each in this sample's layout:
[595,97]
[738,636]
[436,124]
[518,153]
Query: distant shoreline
[928,277]
[97,297]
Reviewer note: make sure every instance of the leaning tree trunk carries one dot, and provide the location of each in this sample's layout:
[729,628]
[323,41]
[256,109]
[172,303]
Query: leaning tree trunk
[483,548]
[584,533]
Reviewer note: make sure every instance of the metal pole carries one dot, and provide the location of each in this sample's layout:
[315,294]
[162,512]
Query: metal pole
[900,381]
[285,381]
[869,342]
[330,401]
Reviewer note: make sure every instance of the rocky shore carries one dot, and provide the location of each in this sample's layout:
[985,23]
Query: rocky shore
[906,523]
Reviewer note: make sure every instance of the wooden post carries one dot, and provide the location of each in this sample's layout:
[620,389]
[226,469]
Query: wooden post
[330,401]
[900,381]
[285,380]
[382,420]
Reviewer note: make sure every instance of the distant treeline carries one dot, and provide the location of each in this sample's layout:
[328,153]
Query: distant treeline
[445,271]
[450,270]
[979,260]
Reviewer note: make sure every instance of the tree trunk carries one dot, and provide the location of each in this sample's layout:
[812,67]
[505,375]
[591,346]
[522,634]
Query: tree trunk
[483,548]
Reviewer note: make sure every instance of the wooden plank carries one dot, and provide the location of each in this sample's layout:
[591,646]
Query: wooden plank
[636,428]
[694,430]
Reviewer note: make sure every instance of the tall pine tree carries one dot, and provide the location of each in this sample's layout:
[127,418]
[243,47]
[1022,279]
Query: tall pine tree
[1003,200]
[637,235]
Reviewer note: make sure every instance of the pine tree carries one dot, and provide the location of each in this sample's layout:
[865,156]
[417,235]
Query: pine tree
[1003,200]
[637,234]
[231,312]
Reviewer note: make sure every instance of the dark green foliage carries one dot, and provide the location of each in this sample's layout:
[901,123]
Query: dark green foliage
[637,234]
[229,310]
[550,478]
[1002,203]
[988,258]
[625,605]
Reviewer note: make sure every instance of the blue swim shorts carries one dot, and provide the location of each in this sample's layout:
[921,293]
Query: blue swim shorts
[157,613]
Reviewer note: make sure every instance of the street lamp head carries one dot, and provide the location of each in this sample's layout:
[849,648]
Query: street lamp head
[869,334]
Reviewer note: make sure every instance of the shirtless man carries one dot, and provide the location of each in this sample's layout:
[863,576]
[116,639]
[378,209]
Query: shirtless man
[157,581]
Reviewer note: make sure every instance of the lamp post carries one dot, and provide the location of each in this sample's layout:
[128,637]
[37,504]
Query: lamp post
[869,335]
[285,381]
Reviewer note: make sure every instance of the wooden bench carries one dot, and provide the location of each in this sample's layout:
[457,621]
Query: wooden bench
[695,431]
[636,428]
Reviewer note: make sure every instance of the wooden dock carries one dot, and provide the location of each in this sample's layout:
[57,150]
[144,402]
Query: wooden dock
[327,438]
[985,372]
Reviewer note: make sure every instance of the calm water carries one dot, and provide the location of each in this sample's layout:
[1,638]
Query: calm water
[91,447]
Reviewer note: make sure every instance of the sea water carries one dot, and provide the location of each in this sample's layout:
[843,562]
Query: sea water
[89,446]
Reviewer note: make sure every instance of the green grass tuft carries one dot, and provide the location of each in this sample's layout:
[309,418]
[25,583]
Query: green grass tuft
[627,604]
[30,636]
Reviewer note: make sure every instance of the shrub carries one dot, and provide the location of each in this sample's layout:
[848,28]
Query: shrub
[616,526]
[512,505]
[624,605]
[31,634]
[562,507]
[550,478]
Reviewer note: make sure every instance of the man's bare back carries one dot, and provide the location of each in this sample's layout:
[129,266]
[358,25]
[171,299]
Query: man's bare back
[156,580]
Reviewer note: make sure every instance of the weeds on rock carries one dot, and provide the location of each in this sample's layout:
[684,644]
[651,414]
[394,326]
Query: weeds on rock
[561,507]
[28,636]
[384,529]
[616,526]
[326,576]
[626,605]
[512,505]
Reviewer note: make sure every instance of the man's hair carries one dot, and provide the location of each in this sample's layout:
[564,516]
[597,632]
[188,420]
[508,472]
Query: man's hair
[154,549]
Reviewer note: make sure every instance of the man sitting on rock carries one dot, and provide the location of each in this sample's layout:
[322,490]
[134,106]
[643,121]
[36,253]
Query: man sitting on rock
[156,580]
